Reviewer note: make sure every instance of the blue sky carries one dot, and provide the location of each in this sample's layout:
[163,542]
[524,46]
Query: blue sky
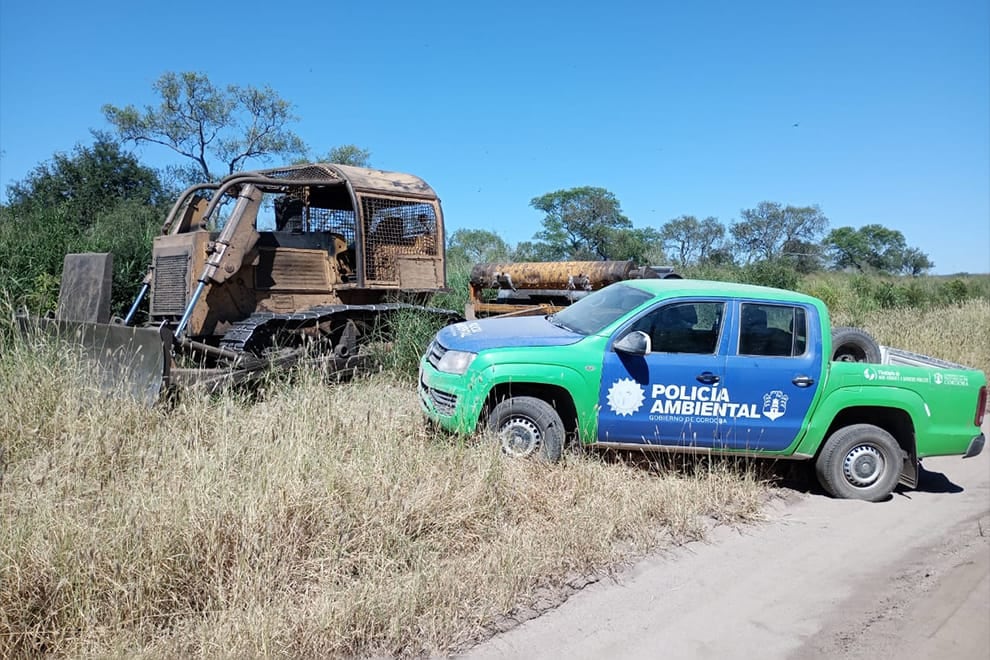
[677,108]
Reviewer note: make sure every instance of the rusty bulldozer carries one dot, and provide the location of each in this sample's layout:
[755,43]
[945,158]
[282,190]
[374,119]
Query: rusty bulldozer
[267,267]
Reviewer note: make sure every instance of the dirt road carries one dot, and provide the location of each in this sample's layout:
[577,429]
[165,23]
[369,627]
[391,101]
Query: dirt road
[822,578]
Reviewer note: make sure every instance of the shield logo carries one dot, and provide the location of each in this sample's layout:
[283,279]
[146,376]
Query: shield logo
[774,405]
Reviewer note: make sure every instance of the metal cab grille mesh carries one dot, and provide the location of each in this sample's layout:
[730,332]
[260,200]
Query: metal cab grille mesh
[396,227]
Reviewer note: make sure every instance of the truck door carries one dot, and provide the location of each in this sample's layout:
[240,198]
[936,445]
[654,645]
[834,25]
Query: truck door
[667,396]
[773,367]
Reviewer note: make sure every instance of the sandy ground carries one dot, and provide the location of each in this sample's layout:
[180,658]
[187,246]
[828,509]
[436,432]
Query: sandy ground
[821,578]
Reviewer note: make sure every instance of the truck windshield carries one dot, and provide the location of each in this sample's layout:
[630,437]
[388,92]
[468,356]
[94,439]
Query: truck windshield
[597,310]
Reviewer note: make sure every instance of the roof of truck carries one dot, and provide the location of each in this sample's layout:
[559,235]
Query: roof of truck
[689,287]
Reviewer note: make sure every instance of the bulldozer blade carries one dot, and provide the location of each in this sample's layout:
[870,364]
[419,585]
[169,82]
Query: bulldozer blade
[125,359]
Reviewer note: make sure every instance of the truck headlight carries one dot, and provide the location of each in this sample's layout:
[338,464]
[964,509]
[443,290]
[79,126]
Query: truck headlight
[455,362]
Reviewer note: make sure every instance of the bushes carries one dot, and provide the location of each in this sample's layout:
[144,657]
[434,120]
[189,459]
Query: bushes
[33,244]
[98,199]
[778,273]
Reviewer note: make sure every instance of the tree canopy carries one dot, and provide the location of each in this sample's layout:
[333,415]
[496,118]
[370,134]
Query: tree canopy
[874,247]
[689,240]
[772,230]
[580,223]
[96,199]
[347,154]
[87,182]
[208,124]
[477,246]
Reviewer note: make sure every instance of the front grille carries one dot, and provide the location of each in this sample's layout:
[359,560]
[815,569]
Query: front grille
[168,296]
[434,353]
[444,402]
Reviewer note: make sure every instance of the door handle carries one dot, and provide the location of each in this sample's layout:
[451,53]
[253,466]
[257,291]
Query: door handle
[708,378]
[803,381]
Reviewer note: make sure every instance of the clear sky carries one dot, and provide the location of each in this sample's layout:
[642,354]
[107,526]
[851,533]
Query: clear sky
[877,111]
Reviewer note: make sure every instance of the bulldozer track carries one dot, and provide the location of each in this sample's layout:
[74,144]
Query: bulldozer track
[249,335]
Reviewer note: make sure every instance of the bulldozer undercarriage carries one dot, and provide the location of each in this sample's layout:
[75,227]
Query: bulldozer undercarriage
[339,340]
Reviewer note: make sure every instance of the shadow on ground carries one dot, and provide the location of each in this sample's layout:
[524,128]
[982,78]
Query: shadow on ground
[932,482]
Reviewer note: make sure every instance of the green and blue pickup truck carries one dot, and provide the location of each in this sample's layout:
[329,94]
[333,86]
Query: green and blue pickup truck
[697,366]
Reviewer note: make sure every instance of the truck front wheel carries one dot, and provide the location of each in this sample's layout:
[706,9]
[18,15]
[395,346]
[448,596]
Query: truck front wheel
[861,462]
[527,426]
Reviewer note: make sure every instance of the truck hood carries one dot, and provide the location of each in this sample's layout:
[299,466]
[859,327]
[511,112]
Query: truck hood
[475,336]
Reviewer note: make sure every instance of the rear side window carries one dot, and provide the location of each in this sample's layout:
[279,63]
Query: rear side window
[772,330]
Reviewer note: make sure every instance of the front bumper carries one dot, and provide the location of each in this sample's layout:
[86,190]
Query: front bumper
[975,446]
[447,400]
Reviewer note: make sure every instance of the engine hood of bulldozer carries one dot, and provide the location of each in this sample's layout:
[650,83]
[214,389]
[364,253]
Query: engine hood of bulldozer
[476,336]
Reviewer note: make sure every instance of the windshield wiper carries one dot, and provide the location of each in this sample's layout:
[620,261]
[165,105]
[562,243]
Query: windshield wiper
[552,318]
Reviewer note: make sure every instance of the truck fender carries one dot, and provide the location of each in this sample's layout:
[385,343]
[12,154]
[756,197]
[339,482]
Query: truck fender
[873,405]
[540,381]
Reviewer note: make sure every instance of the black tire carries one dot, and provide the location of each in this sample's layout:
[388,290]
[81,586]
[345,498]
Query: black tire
[861,462]
[854,345]
[527,426]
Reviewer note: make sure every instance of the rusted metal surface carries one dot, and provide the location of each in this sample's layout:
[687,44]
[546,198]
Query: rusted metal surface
[522,288]
[278,243]
[121,360]
[562,275]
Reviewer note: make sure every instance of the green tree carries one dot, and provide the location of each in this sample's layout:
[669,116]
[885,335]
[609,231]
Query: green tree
[97,199]
[766,231]
[346,154]
[916,262]
[580,223]
[205,123]
[690,240]
[779,273]
[472,246]
[804,256]
[85,183]
[644,246]
[874,247]
[535,251]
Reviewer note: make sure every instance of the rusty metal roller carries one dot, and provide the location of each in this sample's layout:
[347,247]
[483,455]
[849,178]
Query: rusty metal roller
[573,275]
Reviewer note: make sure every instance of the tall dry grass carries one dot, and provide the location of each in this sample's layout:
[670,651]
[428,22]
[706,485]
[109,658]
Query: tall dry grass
[322,520]
[958,333]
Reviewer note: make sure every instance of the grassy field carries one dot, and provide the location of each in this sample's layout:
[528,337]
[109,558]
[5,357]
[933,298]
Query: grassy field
[320,519]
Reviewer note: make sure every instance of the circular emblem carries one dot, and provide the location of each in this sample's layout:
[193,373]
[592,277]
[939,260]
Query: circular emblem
[625,397]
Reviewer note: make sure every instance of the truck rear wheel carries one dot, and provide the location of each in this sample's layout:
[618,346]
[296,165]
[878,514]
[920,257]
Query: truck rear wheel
[861,462]
[527,426]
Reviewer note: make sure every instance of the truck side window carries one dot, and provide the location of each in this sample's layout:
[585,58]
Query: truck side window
[691,327]
[772,330]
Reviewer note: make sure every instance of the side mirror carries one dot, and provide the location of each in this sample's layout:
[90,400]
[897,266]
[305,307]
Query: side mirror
[636,342]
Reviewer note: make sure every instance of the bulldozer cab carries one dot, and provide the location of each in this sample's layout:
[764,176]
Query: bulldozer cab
[288,239]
